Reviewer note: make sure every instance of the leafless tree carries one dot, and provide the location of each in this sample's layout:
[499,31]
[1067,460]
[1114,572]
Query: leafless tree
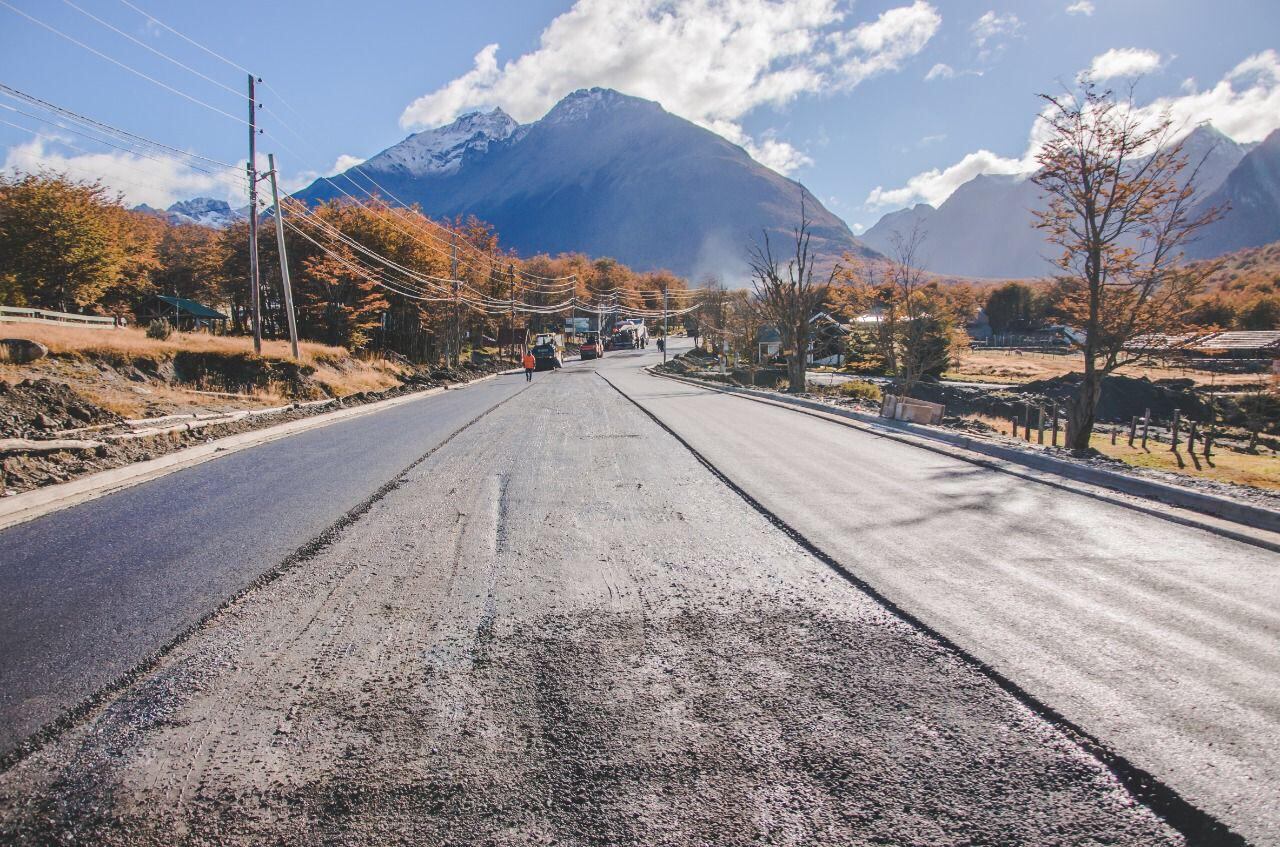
[711,312]
[789,295]
[920,325]
[1121,210]
[742,329]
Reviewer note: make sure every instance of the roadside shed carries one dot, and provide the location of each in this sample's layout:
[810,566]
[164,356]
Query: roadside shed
[184,314]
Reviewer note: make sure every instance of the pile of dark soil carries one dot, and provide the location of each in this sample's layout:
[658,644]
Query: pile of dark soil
[1125,397]
[245,373]
[1122,397]
[34,408]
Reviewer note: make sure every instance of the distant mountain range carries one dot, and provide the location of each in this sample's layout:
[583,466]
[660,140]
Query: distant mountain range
[606,174]
[602,173]
[202,211]
[985,228]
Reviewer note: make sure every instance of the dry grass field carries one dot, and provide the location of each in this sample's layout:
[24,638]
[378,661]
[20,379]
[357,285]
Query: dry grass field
[125,371]
[1261,470]
[133,341]
[1017,367]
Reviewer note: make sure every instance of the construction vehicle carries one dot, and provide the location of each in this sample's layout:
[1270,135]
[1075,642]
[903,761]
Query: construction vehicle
[629,335]
[548,351]
[592,346]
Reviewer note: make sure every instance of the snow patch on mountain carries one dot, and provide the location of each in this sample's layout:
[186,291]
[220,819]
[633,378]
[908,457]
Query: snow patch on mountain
[441,151]
[203,211]
[585,102]
[200,211]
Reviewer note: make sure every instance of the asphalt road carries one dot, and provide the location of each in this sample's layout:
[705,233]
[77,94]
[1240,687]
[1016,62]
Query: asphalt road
[1161,640]
[88,592]
[561,628]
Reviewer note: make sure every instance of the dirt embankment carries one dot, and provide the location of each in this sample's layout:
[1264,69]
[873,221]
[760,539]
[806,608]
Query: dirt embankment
[184,399]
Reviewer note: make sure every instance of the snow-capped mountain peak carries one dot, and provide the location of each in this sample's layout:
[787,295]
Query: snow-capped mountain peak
[204,211]
[441,150]
[200,211]
[583,103]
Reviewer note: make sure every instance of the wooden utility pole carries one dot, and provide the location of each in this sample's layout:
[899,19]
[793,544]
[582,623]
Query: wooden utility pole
[664,324]
[251,167]
[284,259]
[511,315]
[455,334]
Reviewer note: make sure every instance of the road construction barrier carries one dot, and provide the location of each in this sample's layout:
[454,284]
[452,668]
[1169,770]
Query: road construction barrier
[911,411]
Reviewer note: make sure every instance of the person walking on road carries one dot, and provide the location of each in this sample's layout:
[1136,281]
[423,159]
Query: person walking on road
[529,364]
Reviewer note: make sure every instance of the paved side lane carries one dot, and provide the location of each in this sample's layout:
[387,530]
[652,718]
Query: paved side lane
[1162,640]
[88,592]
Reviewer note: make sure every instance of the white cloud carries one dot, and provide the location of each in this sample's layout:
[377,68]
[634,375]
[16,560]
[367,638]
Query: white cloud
[991,27]
[156,182]
[1244,105]
[159,181]
[301,179]
[711,61]
[345,162]
[934,186]
[1120,62]
[883,44]
[1081,7]
[939,71]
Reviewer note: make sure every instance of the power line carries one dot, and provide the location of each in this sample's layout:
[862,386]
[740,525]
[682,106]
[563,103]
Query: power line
[133,151]
[104,127]
[146,46]
[189,40]
[134,183]
[119,63]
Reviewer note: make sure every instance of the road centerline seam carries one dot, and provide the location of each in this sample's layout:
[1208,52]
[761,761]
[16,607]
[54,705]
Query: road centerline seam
[1196,825]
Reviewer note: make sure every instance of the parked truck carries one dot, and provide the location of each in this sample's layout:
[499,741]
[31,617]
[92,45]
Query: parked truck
[629,335]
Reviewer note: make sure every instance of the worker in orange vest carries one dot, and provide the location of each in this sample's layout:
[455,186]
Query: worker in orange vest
[529,364]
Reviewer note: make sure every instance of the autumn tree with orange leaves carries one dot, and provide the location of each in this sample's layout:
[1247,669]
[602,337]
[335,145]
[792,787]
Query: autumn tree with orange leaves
[1121,195]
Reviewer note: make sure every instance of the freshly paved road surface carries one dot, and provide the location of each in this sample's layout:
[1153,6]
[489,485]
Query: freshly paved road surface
[87,592]
[561,628]
[1161,640]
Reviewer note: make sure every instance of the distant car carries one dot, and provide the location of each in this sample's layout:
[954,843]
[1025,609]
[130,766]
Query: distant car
[592,348]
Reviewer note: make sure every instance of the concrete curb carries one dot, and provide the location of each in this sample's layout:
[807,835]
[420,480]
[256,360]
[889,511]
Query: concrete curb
[30,505]
[1256,517]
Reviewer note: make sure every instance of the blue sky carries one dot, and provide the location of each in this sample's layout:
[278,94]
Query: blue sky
[873,104]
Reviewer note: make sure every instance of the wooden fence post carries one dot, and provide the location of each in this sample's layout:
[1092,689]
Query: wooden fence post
[1177,419]
[1014,420]
[1191,437]
[1040,424]
[1133,429]
[1146,424]
[1055,423]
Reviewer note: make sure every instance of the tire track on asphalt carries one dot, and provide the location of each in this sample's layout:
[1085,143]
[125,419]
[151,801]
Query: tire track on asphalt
[73,716]
[1196,825]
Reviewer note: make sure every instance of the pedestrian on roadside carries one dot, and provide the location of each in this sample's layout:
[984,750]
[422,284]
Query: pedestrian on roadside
[529,364]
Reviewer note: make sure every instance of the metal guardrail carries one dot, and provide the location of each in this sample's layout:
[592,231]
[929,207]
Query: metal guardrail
[13,314]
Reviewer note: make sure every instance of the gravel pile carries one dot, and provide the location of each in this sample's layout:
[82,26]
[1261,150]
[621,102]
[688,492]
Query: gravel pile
[37,408]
